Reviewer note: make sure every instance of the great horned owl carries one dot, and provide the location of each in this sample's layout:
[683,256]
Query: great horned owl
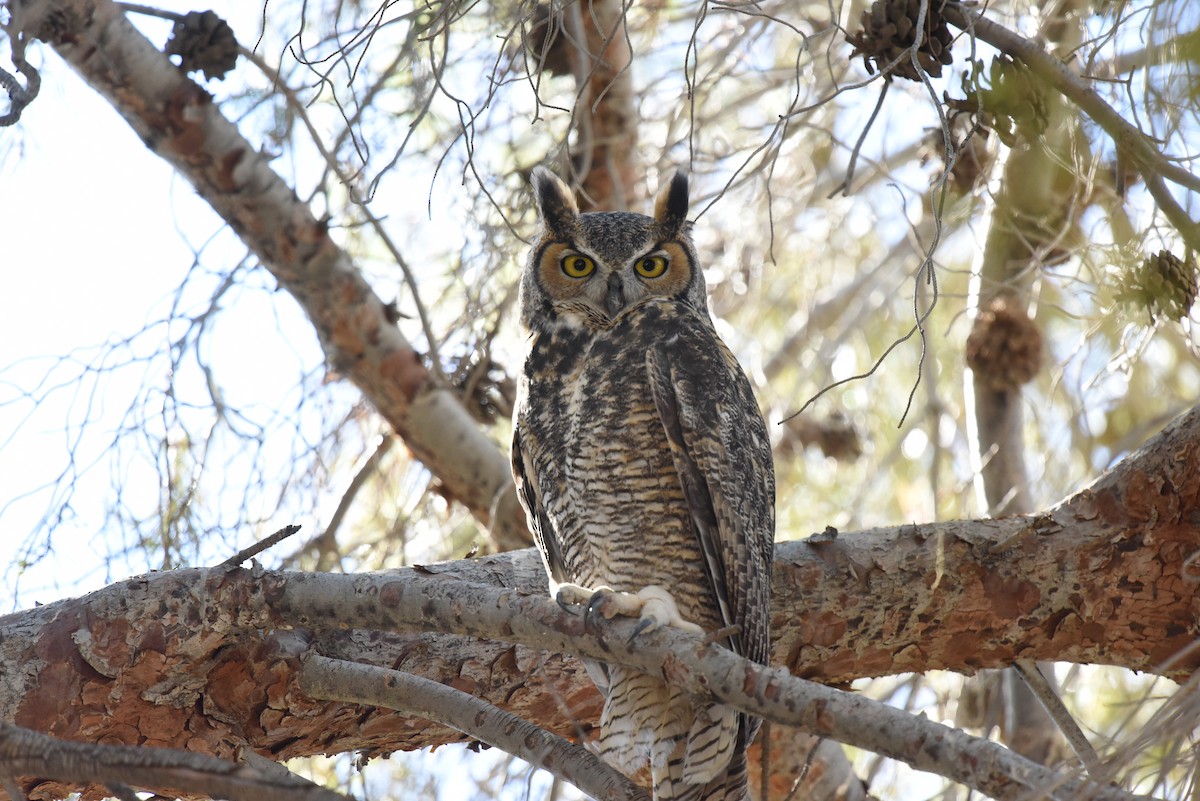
[643,464]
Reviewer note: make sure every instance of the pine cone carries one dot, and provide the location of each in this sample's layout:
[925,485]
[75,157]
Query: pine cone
[546,41]
[1005,347]
[972,161]
[889,32]
[204,41]
[1163,284]
[836,437]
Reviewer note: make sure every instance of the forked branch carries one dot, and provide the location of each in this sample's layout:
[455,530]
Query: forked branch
[352,682]
[432,603]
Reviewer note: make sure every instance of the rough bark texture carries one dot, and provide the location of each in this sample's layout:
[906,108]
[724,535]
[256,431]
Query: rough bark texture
[174,659]
[1030,219]
[182,658]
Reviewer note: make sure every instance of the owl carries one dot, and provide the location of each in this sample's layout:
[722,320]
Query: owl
[643,464]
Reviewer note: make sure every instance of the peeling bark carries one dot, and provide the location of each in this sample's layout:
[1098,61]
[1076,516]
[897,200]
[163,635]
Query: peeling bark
[176,658]
[196,659]
[1029,224]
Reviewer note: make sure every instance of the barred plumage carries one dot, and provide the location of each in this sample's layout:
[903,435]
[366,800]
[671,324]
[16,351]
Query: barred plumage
[643,463]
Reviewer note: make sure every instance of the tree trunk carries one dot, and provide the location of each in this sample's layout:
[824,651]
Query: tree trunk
[1029,222]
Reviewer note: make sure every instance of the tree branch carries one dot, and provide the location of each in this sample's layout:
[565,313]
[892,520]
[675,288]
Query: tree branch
[338,680]
[179,122]
[29,753]
[196,659]
[432,604]
[1129,140]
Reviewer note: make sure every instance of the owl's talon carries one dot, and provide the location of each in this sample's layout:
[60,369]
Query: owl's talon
[593,609]
[645,624]
[659,609]
[564,604]
[653,605]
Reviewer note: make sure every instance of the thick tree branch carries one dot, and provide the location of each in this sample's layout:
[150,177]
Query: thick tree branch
[1130,141]
[195,659]
[1028,213]
[179,122]
[440,603]
[432,604]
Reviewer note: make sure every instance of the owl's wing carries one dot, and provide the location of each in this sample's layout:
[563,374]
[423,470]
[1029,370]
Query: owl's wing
[722,453]
[531,498]
[546,537]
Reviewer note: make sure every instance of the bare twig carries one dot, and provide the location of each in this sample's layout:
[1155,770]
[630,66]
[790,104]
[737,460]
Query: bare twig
[1050,701]
[237,180]
[844,186]
[301,111]
[260,546]
[326,542]
[19,96]
[150,11]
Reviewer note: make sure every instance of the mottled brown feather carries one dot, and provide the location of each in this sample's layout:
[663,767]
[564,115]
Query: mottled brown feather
[641,458]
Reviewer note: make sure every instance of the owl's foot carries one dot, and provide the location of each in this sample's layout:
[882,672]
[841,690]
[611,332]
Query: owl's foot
[570,595]
[653,605]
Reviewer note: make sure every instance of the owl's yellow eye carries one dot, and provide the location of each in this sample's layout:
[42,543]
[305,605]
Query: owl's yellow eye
[577,266]
[651,266]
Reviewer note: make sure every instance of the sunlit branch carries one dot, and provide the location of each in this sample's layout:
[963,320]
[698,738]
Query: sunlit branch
[1152,164]
[687,660]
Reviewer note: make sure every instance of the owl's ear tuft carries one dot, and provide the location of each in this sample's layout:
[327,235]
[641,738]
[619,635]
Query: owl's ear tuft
[555,202]
[671,205]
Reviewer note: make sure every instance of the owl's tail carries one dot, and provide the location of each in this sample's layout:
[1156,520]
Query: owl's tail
[730,785]
[693,749]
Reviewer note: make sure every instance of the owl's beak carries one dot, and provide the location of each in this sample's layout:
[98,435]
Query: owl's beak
[614,301]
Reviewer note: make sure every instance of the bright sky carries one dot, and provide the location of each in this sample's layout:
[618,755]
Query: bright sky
[90,246]
[96,239]
[98,235]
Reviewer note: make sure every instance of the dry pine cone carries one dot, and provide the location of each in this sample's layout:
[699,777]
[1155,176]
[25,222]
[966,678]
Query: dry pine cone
[546,42]
[972,161]
[889,32]
[1004,349]
[836,437]
[1162,284]
[203,41]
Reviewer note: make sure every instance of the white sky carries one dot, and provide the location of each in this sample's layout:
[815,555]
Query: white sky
[96,233]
